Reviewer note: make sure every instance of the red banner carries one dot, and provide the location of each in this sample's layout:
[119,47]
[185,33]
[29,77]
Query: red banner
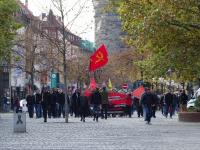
[98,59]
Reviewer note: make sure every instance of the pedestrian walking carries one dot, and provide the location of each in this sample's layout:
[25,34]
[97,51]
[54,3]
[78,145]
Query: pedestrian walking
[138,106]
[129,104]
[5,103]
[38,105]
[155,104]
[61,101]
[75,100]
[46,97]
[53,102]
[147,102]
[96,102]
[104,99]
[83,106]
[183,99]
[30,104]
[16,104]
[168,100]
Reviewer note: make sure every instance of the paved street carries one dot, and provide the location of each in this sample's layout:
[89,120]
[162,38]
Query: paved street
[115,133]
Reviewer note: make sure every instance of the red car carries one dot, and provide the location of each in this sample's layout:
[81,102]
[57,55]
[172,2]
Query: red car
[119,103]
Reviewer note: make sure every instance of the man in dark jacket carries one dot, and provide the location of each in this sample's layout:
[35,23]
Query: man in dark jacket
[155,104]
[104,100]
[136,102]
[75,100]
[168,100]
[61,101]
[183,99]
[38,106]
[96,101]
[30,104]
[46,104]
[53,103]
[83,106]
[147,102]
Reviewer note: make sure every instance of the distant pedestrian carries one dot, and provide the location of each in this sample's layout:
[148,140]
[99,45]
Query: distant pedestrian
[147,102]
[155,104]
[61,101]
[38,105]
[168,100]
[104,100]
[16,104]
[75,99]
[96,102]
[46,104]
[5,104]
[53,102]
[136,102]
[30,104]
[83,106]
[183,99]
[129,102]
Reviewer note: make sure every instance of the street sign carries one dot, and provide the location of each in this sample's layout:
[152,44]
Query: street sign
[54,80]
[125,86]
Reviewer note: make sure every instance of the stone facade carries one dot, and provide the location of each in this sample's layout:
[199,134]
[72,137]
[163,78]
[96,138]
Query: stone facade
[107,28]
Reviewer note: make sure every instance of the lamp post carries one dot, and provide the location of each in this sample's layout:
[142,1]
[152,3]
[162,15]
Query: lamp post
[169,72]
[161,80]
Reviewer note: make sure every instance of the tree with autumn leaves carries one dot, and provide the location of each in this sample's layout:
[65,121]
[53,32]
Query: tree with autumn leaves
[8,27]
[167,32]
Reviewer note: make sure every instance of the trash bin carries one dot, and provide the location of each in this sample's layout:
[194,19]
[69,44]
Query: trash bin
[19,121]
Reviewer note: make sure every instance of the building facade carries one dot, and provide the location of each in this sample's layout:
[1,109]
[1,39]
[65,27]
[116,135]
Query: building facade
[107,28]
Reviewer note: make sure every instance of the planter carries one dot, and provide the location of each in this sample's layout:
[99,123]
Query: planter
[189,116]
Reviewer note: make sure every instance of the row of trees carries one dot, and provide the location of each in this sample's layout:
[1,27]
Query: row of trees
[8,27]
[165,33]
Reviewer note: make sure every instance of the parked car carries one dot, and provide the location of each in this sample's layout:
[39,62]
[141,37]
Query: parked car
[191,102]
[118,102]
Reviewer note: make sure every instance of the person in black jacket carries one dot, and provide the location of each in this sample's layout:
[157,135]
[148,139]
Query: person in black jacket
[46,97]
[61,101]
[96,101]
[38,106]
[30,104]
[83,106]
[147,101]
[183,99]
[75,100]
[53,102]
[155,104]
[168,100]
[136,102]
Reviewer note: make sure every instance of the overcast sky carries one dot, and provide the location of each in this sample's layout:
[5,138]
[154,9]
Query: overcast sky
[83,26]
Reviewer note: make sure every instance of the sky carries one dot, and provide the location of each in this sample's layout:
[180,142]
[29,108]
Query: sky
[82,26]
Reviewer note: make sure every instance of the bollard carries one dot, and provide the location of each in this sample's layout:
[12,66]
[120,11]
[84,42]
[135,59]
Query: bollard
[19,122]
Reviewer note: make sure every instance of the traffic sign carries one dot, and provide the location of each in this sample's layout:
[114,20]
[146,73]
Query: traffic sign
[125,86]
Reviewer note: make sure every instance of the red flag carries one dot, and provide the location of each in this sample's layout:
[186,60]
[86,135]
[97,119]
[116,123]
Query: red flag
[99,58]
[138,92]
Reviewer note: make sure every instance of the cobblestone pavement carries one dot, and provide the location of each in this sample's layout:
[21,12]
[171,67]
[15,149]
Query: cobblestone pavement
[111,134]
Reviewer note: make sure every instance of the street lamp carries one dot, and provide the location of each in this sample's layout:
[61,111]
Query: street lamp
[161,80]
[169,72]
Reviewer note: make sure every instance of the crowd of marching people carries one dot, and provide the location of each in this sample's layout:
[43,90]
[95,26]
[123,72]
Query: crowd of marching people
[50,103]
[169,103]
